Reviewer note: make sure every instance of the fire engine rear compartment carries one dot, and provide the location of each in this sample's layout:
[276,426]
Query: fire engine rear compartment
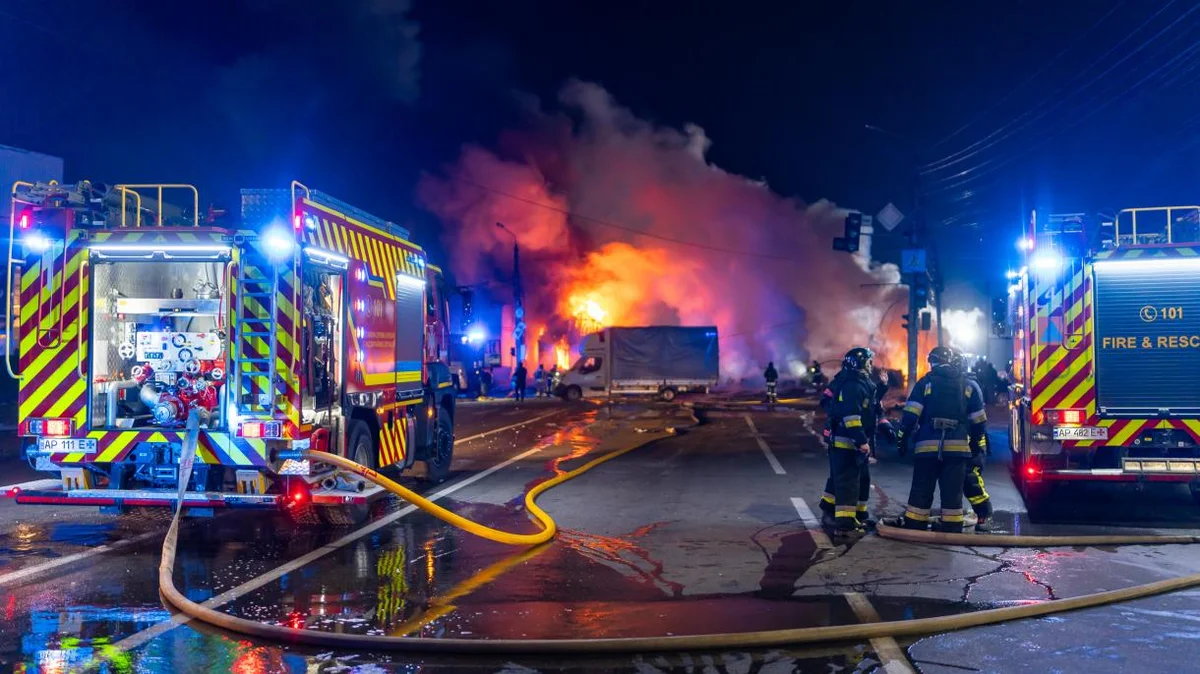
[160,343]
[1147,340]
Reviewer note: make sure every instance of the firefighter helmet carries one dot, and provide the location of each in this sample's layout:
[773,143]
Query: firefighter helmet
[858,358]
[942,355]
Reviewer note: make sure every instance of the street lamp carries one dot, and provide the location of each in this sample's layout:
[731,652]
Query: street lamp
[518,300]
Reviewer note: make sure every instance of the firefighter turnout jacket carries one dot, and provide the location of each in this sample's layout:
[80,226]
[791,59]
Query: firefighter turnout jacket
[852,411]
[945,411]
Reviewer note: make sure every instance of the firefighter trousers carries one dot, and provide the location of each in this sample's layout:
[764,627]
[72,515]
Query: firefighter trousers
[974,489]
[848,488]
[771,395]
[945,475]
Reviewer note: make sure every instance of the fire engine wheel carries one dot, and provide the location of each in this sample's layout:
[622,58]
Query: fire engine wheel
[361,451]
[668,394]
[441,454]
[573,394]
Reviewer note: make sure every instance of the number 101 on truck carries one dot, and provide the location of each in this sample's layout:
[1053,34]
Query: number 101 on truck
[305,323]
[1105,318]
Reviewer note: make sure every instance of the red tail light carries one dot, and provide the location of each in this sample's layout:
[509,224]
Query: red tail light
[1031,471]
[55,428]
[260,429]
[297,222]
[26,220]
[1069,417]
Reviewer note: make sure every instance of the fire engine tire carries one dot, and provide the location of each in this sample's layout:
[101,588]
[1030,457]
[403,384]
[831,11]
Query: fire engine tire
[573,394]
[721,641]
[441,453]
[668,394]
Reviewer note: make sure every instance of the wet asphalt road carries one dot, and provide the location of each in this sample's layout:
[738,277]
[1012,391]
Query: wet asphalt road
[709,531]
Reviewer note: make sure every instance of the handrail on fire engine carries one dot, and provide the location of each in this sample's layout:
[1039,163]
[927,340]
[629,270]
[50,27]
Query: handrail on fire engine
[137,199]
[8,300]
[1133,212]
[83,262]
[160,188]
[296,280]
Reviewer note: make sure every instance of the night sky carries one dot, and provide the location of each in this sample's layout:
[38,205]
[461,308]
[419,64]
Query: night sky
[1080,106]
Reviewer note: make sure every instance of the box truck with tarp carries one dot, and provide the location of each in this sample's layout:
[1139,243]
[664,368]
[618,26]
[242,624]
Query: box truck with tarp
[660,360]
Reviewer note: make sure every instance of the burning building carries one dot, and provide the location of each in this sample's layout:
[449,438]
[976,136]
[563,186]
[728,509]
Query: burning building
[624,222]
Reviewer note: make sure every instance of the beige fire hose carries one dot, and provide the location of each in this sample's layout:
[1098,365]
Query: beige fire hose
[721,641]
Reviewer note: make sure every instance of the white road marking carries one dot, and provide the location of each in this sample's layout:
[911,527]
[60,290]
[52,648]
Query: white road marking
[37,569]
[20,574]
[139,638]
[812,524]
[890,654]
[494,431]
[762,444]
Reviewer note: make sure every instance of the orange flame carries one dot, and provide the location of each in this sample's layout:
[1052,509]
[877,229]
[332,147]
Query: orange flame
[562,354]
[587,311]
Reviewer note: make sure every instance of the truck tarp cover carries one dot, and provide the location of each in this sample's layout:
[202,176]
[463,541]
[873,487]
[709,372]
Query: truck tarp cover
[1148,337]
[662,353]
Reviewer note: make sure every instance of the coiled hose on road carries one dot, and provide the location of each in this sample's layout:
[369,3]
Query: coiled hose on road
[722,641]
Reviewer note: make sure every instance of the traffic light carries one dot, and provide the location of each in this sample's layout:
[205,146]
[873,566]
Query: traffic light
[920,291]
[905,318]
[926,320]
[852,233]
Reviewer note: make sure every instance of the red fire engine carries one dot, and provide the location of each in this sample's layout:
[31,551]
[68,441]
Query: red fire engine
[1106,325]
[309,324]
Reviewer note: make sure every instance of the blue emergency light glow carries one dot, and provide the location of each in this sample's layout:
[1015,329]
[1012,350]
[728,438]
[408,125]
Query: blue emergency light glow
[476,335]
[1046,260]
[36,242]
[278,244]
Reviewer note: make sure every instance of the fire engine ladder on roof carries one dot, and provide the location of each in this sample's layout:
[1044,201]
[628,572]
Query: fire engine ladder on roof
[254,376]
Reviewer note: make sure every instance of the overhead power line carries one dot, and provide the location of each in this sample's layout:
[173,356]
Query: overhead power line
[976,172]
[1025,119]
[1027,81]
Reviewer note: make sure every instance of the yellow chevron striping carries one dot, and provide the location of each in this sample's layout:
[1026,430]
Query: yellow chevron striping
[68,399]
[114,449]
[1129,431]
[363,225]
[226,444]
[373,256]
[1053,387]
[339,237]
[1077,393]
[38,397]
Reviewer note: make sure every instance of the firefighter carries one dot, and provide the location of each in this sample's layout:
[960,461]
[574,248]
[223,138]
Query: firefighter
[772,377]
[852,423]
[520,379]
[539,380]
[943,418]
[974,488]
[817,377]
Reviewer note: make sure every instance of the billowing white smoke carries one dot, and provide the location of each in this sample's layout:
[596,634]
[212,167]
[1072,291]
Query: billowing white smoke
[630,215]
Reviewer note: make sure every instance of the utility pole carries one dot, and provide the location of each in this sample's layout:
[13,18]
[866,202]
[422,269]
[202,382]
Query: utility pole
[518,301]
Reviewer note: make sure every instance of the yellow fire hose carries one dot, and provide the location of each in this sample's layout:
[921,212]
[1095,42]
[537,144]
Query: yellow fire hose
[722,641]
